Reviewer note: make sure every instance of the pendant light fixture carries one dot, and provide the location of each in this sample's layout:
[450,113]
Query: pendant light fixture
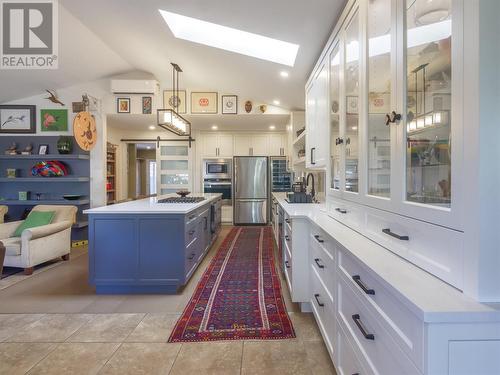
[170,119]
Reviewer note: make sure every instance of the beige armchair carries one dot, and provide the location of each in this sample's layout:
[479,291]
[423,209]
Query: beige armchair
[40,244]
[3,212]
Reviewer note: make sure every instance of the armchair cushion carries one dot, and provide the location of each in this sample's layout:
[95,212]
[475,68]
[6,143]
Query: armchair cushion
[35,219]
[12,246]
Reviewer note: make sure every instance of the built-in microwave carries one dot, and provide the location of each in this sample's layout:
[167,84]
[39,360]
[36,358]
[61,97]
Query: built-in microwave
[217,168]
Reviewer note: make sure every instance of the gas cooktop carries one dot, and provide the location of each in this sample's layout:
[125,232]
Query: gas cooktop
[181,200]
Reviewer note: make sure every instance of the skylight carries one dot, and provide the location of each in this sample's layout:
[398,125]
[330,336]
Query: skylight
[229,39]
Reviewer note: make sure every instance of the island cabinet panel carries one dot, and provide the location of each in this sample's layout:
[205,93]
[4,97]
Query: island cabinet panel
[145,253]
[158,260]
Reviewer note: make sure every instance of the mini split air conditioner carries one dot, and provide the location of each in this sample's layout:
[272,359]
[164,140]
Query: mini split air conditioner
[135,86]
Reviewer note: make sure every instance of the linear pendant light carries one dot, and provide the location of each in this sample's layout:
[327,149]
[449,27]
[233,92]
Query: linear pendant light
[170,119]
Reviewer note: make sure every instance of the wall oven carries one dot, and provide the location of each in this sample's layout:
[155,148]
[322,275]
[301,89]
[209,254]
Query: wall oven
[217,169]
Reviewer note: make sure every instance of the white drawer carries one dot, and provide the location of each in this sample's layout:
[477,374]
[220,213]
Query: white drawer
[433,248]
[347,213]
[345,359]
[323,240]
[381,353]
[404,327]
[324,263]
[323,308]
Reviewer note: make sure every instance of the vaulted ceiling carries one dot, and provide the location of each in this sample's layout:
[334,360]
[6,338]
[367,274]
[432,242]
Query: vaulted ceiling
[101,38]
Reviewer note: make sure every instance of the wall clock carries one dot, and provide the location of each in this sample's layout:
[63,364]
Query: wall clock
[85,131]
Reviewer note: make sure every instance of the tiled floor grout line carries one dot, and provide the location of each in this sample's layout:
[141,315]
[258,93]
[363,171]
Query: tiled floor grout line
[57,345]
[175,359]
[242,351]
[111,356]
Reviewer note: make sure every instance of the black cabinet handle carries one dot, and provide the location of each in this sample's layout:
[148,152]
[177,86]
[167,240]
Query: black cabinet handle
[192,256]
[287,238]
[287,264]
[318,263]
[392,117]
[287,221]
[361,327]
[320,304]
[191,232]
[361,284]
[191,217]
[341,210]
[313,149]
[318,238]
[392,234]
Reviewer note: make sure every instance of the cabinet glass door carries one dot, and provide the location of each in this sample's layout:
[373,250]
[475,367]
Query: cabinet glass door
[173,165]
[428,102]
[335,146]
[351,74]
[379,97]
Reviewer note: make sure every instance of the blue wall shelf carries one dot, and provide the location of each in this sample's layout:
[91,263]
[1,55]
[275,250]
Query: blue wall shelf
[50,189]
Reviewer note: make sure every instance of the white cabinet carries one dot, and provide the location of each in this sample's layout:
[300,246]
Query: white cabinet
[242,145]
[395,121]
[277,145]
[317,121]
[260,145]
[218,145]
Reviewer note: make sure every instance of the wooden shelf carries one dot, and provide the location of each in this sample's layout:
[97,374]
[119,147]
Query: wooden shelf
[15,202]
[47,157]
[44,179]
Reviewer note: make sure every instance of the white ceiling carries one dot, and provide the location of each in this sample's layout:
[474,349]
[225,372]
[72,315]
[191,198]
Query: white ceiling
[252,122]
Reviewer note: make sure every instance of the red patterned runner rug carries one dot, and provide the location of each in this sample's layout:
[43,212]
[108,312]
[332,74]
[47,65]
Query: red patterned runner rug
[239,295]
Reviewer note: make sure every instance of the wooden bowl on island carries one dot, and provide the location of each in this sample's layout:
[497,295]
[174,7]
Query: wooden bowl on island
[183,193]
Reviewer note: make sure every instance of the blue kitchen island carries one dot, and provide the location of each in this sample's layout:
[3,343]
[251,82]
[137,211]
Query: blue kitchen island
[148,246]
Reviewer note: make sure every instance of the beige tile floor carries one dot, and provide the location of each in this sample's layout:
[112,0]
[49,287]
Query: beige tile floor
[53,323]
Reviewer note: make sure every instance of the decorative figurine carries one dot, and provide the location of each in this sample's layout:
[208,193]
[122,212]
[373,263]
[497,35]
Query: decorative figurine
[53,98]
[263,108]
[27,150]
[12,150]
[248,106]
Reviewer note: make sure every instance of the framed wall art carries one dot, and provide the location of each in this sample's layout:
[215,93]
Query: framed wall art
[229,105]
[170,101]
[123,105]
[17,119]
[204,102]
[147,105]
[54,120]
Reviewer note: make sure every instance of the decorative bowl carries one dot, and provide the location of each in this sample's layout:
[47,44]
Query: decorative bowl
[71,197]
[183,193]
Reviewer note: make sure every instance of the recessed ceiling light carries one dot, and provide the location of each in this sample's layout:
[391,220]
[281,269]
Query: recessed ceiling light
[284,74]
[229,39]
[152,127]
[276,102]
[148,147]
[272,127]
[215,127]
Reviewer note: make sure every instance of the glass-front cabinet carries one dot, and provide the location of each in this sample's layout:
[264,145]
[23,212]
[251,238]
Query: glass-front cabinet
[395,123]
[174,167]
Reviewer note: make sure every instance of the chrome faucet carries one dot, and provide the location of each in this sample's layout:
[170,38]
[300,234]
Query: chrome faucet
[313,192]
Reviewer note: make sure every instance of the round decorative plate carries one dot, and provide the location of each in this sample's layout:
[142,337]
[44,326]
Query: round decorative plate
[85,131]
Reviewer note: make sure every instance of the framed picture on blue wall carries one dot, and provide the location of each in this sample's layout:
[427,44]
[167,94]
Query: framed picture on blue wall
[17,119]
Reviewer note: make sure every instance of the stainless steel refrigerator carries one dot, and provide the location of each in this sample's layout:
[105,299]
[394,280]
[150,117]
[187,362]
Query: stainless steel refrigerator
[250,189]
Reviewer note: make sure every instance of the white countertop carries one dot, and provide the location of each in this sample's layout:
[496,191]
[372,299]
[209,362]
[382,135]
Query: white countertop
[151,206]
[429,298]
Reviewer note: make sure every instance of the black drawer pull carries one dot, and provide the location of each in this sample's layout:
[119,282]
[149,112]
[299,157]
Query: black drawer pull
[341,210]
[287,238]
[320,304]
[191,232]
[392,234]
[287,264]
[318,263]
[361,284]
[287,221]
[357,320]
[320,240]
[191,217]
[192,256]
